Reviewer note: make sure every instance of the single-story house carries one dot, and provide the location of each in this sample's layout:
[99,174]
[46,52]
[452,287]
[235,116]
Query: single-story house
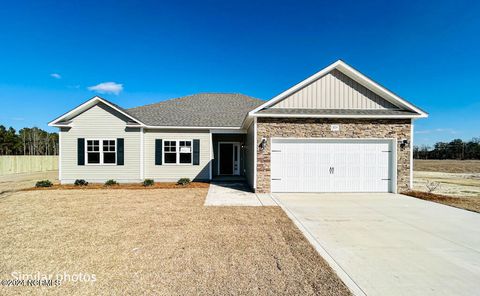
[336,131]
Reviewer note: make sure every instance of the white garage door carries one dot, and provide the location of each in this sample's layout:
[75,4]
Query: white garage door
[331,165]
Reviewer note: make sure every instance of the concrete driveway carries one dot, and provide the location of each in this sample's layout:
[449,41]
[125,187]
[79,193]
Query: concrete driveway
[387,244]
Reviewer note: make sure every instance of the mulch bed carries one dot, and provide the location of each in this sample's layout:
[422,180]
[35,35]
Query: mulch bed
[466,203]
[157,185]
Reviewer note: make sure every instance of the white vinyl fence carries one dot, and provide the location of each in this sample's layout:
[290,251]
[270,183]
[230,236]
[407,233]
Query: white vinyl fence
[14,164]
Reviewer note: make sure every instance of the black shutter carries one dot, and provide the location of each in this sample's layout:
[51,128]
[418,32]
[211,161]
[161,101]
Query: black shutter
[120,151]
[81,151]
[158,151]
[196,152]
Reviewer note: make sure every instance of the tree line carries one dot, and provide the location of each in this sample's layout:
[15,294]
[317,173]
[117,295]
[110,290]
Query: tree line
[28,141]
[456,149]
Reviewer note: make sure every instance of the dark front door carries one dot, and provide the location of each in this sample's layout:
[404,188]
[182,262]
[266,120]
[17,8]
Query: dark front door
[226,159]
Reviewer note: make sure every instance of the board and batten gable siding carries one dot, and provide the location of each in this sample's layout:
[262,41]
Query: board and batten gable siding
[334,90]
[173,172]
[100,122]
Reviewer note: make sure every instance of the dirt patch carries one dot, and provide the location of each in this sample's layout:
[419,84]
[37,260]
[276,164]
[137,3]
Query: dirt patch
[157,242]
[447,166]
[471,204]
[159,185]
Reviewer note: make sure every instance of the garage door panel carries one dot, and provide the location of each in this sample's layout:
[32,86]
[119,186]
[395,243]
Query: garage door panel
[331,166]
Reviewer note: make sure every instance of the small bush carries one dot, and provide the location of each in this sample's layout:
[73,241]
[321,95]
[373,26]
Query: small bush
[148,182]
[111,182]
[432,186]
[44,183]
[184,181]
[80,182]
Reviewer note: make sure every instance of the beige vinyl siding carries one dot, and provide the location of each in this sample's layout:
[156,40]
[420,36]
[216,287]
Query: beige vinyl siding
[173,172]
[335,90]
[100,122]
[250,155]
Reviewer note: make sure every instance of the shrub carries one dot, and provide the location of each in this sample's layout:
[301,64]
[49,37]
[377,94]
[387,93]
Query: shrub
[432,186]
[184,181]
[80,182]
[44,183]
[148,182]
[111,182]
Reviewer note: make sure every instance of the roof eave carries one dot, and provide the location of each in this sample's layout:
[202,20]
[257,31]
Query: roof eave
[339,116]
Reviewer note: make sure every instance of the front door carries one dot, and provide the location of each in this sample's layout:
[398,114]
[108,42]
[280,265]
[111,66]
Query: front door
[229,159]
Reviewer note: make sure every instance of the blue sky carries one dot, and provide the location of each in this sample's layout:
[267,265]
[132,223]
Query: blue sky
[53,52]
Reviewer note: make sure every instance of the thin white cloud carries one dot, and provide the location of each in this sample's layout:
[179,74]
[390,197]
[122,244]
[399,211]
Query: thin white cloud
[107,88]
[450,131]
[56,76]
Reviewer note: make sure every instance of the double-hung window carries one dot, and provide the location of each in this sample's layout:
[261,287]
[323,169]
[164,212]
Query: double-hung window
[177,152]
[101,151]
[170,151]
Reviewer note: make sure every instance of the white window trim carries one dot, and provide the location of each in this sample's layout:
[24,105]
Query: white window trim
[100,151]
[177,152]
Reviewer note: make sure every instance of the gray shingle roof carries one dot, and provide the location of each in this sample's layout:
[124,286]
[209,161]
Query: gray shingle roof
[199,110]
[336,111]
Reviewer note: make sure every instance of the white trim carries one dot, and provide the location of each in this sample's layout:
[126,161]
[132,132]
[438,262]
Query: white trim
[332,139]
[88,104]
[228,131]
[142,147]
[100,151]
[332,116]
[211,157]
[255,147]
[177,152]
[411,154]
[394,165]
[194,127]
[60,155]
[352,73]
[235,172]
[393,161]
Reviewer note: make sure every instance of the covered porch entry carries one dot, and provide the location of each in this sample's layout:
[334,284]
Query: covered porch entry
[228,157]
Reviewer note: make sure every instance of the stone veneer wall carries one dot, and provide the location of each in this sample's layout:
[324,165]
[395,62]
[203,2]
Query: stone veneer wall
[320,128]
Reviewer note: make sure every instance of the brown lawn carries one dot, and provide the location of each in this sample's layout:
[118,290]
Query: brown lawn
[156,242]
[467,203]
[447,166]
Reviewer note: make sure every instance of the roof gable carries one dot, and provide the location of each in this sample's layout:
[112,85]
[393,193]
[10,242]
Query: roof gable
[345,83]
[65,119]
[334,90]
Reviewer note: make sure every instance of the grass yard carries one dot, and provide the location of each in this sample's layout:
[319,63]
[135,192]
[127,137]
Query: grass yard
[447,166]
[156,242]
[14,182]
[459,182]
[466,203]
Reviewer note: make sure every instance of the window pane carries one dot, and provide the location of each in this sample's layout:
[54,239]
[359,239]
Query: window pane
[170,158]
[93,157]
[105,143]
[112,142]
[109,157]
[185,157]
